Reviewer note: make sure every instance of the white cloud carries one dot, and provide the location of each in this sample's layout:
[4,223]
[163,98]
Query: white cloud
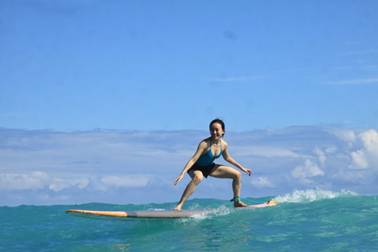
[367,155]
[308,170]
[362,52]
[265,151]
[245,78]
[79,164]
[38,180]
[331,150]
[23,181]
[321,156]
[346,135]
[59,184]
[359,159]
[366,81]
[370,140]
[350,176]
[125,181]
[262,182]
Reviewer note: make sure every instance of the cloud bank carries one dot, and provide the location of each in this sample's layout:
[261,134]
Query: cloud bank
[47,167]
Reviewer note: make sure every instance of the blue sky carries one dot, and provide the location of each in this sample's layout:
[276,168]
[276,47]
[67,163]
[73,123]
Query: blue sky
[169,67]
[70,65]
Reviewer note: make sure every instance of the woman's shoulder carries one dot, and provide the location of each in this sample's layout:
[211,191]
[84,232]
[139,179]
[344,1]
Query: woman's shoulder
[205,142]
[224,142]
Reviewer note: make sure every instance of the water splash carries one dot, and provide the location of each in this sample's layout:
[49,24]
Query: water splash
[302,196]
[209,214]
[219,211]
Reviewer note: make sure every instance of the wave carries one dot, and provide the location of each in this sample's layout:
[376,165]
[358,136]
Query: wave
[303,196]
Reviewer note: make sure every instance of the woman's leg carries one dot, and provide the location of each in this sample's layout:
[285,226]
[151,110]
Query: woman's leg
[197,177]
[227,172]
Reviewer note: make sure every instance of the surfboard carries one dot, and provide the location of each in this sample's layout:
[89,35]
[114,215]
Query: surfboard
[269,203]
[160,214]
[140,214]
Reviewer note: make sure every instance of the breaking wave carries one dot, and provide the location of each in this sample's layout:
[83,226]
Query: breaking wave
[301,196]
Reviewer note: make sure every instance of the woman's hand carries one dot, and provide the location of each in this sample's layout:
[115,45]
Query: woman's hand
[248,171]
[179,178]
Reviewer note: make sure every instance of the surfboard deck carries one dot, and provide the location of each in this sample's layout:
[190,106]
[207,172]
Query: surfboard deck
[160,214]
[140,214]
[269,203]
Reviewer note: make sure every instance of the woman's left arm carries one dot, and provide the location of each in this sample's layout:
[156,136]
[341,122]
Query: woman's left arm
[228,158]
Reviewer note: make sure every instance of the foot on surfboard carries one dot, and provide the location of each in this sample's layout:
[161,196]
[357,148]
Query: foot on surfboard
[238,202]
[271,202]
[177,208]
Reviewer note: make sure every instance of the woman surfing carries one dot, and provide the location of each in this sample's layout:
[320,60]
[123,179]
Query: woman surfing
[202,165]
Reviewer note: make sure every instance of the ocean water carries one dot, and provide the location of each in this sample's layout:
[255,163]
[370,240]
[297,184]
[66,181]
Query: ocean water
[311,220]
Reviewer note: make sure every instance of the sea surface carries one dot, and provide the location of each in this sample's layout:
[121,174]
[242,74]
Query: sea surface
[312,220]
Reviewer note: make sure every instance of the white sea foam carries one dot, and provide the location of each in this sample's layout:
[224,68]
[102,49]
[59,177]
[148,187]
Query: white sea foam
[219,211]
[300,196]
[209,213]
[156,209]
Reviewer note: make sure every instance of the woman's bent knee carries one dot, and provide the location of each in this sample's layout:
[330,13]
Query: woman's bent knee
[237,175]
[197,178]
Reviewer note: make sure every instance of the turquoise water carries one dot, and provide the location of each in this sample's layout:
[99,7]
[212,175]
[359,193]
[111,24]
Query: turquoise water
[304,221]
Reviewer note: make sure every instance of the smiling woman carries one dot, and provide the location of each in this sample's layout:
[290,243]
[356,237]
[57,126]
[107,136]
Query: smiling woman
[202,164]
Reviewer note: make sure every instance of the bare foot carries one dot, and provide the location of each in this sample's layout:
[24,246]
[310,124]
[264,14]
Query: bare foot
[239,204]
[272,202]
[177,208]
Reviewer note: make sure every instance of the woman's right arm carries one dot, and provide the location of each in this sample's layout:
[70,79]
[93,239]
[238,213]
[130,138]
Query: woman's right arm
[201,148]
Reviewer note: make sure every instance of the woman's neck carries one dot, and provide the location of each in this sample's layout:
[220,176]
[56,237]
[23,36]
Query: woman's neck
[215,141]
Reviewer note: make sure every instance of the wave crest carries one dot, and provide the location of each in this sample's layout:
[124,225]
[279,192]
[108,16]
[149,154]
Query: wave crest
[300,196]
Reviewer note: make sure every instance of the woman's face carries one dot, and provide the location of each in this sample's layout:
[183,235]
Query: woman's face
[216,131]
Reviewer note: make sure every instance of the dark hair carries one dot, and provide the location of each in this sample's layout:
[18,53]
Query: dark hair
[217,120]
